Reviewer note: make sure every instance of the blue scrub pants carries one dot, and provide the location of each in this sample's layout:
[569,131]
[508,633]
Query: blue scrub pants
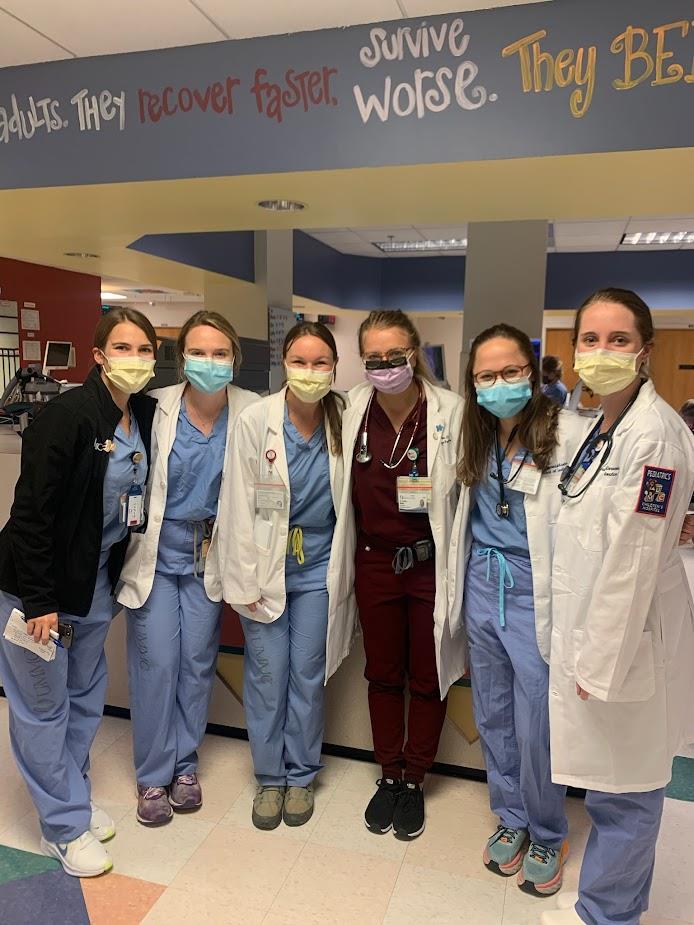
[617,869]
[173,640]
[510,692]
[283,695]
[55,711]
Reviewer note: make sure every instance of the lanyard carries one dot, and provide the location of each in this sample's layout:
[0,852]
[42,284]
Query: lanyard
[502,508]
[592,445]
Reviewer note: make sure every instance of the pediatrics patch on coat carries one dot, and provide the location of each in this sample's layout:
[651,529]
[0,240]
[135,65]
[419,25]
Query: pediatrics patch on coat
[656,488]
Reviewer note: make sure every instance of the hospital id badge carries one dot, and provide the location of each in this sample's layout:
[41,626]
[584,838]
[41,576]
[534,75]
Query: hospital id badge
[270,496]
[132,506]
[414,494]
[527,480]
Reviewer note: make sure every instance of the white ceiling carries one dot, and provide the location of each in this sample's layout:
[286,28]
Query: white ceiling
[51,30]
[569,237]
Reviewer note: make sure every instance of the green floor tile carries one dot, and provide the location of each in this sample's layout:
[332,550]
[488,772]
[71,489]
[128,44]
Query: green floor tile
[682,784]
[16,865]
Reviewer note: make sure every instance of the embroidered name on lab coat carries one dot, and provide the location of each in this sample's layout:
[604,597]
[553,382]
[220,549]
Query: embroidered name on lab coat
[655,491]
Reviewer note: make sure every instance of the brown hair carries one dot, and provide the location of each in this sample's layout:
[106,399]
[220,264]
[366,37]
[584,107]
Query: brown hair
[398,319]
[212,320]
[552,366]
[641,312]
[117,316]
[333,403]
[539,419]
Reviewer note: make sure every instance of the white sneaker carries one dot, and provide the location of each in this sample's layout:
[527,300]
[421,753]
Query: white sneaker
[101,826]
[567,900]
[83,857]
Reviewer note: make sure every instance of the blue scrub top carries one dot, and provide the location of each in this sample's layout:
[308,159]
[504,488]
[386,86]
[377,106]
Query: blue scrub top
[507,534]
[311,506]
[194,479]
[121,473]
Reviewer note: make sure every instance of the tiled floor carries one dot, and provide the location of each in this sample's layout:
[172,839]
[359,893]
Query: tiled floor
[214,867]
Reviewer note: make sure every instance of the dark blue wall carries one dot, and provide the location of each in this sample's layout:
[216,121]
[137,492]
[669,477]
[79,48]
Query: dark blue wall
[230,253]
[663,279]
[324,274]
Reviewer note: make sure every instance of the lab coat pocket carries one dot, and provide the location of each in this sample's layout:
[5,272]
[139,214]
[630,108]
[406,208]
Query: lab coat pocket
[674,610]
[639,683]
[262,534]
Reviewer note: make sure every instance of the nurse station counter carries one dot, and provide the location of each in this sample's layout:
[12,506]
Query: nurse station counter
[347,729]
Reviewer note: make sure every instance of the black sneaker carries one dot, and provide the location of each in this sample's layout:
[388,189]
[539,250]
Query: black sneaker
[408,818]
[379,813]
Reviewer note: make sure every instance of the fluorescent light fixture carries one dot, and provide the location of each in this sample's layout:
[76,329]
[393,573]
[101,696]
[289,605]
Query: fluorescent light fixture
[282,205]
[113,297]
[644,238]
[418,247]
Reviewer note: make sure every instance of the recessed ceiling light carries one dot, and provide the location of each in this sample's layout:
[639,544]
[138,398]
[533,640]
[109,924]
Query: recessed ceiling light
[644,238]
[85,255]
[406,247]
[282,205]
[113,297]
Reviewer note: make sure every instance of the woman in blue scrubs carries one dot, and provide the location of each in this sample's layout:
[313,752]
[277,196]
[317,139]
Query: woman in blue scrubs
[171,582]
[286,477]
[84,464]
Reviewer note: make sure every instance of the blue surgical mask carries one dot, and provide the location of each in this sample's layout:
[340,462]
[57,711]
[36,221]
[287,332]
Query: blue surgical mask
[208,375]
[505,399]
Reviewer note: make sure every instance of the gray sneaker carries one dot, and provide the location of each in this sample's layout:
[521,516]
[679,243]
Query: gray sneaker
[267,807]
[185,793]
[298,805]
[153,806]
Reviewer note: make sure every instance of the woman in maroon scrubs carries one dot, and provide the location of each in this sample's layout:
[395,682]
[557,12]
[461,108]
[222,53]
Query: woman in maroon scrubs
[400,436]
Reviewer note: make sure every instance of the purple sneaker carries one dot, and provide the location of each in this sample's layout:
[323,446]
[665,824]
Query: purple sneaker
[153,806]
[185,793]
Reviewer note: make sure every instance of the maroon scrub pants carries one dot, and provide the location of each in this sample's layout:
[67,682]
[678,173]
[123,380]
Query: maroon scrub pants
[397,618]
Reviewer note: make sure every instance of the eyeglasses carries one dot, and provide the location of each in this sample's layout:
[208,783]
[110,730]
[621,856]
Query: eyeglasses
[396,357]
[487,378]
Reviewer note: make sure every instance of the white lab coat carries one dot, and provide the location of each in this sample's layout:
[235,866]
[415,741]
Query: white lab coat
[623,619]
[254,543]
[444,418]
[541,512]
[137,576]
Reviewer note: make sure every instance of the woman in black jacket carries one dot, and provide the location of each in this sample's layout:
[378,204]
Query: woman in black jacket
[80,491]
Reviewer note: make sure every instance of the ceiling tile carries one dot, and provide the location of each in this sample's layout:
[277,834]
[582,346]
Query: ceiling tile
[443,232]
[338,238]
[662,224]
[21,45]
[433,7]
[276,17]
[384,234]
[129,25]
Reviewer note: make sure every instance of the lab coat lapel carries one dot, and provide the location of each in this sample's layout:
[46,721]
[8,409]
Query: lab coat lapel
[274,439]
[436,426]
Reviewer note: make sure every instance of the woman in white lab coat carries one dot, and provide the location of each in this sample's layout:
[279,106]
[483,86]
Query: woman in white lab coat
[284,485]
[516,443]
[622,649]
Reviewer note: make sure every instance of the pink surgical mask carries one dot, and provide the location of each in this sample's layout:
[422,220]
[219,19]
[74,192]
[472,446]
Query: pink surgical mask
[392,380]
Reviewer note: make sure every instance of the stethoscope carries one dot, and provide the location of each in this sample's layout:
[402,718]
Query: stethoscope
[503,508]
[592,445]
[364,456]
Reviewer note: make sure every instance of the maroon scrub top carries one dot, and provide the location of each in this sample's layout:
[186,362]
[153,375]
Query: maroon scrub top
[374,487]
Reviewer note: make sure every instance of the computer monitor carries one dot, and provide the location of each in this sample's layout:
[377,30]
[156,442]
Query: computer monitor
[435,357]
[58,355]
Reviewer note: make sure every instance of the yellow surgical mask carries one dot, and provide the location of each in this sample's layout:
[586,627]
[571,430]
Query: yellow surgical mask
[309,385]
[129,374]
[607,371]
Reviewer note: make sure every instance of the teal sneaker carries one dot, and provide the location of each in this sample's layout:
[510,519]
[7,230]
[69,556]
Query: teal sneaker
[543,869]
[504,851]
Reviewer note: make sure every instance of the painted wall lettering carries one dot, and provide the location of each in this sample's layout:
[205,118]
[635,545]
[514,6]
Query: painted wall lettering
[306,89]
[23,121]
[217,97]
[542,71]
[428,91]
[93,109]
[641,62]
